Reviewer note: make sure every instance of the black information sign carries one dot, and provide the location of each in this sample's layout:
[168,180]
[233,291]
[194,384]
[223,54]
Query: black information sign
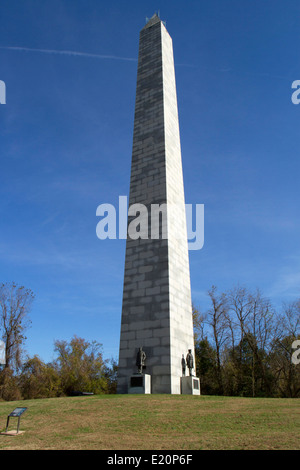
[17,413]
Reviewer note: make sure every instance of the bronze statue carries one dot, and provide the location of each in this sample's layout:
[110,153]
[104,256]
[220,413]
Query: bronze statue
[183,365]
[140,360]
[190,361]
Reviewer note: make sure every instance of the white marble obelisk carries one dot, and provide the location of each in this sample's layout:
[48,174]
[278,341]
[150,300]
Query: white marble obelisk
[157,309]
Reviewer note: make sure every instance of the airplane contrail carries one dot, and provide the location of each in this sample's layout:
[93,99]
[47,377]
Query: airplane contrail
[68,53]
[78,54]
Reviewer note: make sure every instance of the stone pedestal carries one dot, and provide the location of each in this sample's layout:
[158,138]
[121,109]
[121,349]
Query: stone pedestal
[190,385]
[140,384]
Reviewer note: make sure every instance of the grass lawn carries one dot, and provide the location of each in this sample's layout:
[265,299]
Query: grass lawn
[154,422]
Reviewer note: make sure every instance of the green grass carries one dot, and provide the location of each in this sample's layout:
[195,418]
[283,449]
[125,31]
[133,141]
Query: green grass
[154,422]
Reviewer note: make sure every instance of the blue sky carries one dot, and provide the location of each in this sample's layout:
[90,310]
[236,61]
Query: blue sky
[65,147]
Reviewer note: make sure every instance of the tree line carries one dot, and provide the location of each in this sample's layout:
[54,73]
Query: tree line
[79,365]
[245,347]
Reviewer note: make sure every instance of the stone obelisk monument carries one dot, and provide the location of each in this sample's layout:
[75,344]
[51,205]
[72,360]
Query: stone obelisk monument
[157,310]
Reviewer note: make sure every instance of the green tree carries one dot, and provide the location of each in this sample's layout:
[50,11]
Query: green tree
[110,373]
[206,367]
[286,373]
[80,366]
[39,380]
[9,386]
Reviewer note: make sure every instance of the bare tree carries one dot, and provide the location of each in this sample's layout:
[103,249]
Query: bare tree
[260,328]
[240,304]
[198,323]
[286,373]
[15,305]
[239,309]
[216,318]
[290,319]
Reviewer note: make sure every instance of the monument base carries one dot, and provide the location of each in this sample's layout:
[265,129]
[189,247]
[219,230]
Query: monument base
[140,383]
[190,385]
[12,433]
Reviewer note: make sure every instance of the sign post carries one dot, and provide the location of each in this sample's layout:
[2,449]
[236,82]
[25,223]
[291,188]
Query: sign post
[17,413]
